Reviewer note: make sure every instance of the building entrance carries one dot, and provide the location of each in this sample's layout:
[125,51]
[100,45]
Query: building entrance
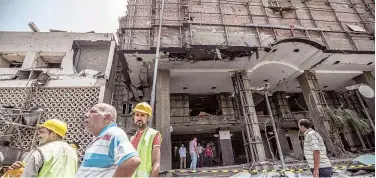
[214,141]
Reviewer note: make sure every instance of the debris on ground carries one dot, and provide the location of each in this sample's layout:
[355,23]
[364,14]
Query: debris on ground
[290,159]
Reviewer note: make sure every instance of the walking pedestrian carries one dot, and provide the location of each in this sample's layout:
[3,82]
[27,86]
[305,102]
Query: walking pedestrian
[110,154]
[183,157]
[147,141]
[315,151]
[193,151]
[201,155]
[52,158]
[208,155]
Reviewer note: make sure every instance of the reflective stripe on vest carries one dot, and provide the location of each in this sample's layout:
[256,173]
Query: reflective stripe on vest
[144,149]
[59,160]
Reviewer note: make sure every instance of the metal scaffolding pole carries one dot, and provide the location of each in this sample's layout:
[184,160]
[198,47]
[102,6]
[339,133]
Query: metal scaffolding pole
[365,109]
[152,99]
[274,128]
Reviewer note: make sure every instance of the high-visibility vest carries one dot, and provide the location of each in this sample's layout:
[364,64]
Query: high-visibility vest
[144,149]
[59,160]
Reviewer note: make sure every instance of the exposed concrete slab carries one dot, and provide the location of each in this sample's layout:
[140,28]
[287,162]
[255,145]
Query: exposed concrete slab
[46,41]
[72,82]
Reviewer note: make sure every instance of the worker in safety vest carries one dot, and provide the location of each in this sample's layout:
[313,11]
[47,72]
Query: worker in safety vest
[147,141]
[52,158]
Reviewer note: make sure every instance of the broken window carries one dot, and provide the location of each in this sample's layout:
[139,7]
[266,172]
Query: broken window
[49,60]
[23,74]
[296,102]
[11,60]
[127,108]
[28,74]
[204,104]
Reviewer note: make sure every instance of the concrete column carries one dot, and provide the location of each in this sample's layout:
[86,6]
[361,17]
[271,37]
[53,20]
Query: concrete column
[162,116]
[298,151]
[255,127]
[311,93]
[368,79]
[226,147]
[30,60]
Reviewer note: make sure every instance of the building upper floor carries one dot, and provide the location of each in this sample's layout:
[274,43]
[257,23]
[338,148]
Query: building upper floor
[81,59]
[337,25]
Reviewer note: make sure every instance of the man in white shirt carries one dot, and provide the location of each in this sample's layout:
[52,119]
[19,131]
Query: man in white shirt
[201,153]
[315,151]
[183,156]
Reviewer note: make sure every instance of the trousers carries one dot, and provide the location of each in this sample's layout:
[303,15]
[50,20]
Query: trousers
[193,161]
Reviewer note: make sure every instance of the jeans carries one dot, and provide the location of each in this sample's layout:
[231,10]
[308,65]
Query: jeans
[193,161]
[325,172]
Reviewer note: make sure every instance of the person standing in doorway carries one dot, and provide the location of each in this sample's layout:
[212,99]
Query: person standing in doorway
[193,151]
[201,155]
[208,155]
[183,157]
[147,141]
[315,151]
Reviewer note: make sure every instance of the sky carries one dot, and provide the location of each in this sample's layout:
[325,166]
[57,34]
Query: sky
[100,16]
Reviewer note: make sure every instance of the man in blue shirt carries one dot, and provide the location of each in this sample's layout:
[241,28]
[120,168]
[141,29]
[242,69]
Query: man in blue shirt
[110,154]
[183,156]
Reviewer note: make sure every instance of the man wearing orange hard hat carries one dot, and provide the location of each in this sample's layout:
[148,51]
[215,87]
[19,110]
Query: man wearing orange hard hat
[52,158]
[147,142]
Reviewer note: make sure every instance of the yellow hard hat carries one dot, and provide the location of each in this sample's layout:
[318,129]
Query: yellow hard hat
[14,173]
[57,126]
[144,108]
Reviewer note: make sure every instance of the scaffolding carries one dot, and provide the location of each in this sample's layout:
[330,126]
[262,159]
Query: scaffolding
[12,119]
[246,118]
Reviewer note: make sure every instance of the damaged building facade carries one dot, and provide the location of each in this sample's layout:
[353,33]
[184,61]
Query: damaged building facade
[218,58]
[51,75]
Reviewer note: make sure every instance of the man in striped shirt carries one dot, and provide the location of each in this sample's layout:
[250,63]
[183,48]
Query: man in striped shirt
[110,154]
[315,151]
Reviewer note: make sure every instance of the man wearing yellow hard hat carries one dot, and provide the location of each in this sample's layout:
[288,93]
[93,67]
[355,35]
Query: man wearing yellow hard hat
[147,141]
[53,157]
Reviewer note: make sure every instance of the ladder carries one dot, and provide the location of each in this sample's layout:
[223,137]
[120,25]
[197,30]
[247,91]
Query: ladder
[245,117]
